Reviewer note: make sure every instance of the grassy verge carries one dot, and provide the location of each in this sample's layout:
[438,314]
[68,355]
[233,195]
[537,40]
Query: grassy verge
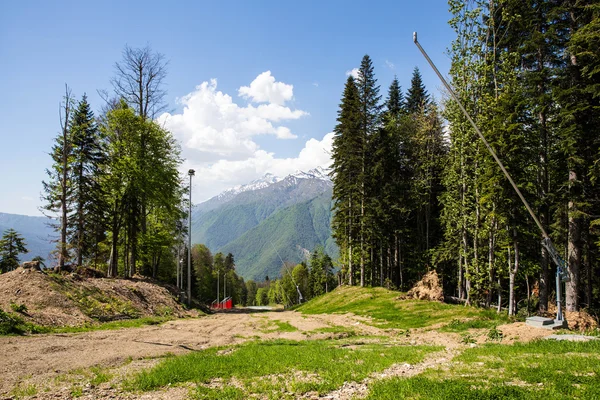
[126,323]
[12,324]
[269,326]
[543,369]
[387,311]
[336,329]
[277,368]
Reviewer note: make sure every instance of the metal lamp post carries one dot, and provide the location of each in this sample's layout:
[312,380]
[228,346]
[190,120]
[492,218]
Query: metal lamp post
[189,271]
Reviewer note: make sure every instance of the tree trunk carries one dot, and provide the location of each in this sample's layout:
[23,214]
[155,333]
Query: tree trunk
[350,271]
[574,253]
[64,183]
[362,240]
[499,309]
[133,241]
[80,220]
[381,263]
[114,251]
[512,275]
[491,245]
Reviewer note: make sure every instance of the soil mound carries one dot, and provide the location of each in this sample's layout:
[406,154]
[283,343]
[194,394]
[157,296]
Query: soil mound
[577,320]
[428,288]
[77,299]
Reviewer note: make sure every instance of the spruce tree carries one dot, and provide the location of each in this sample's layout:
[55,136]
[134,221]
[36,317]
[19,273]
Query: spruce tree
[11,245]
[417,96]
[88,158]
[346,168]
[370,117]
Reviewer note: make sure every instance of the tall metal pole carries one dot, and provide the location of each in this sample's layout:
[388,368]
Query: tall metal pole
[561,266]
[189,271]
[178,264]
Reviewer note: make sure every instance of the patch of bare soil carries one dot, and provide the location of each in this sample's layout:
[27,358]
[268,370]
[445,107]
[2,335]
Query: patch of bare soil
[45,360]
[45,306]
[521,332]
[577,320]
[73,299]
[428,288]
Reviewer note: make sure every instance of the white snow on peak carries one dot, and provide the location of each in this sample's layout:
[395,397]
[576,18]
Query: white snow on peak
[256,184]
[269,179]
[315,173]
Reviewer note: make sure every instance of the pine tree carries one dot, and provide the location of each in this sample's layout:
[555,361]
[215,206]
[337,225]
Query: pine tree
[417,97]
[11,245]
[394,104]
[88,157]
[346,167]
[578,137]
[370,120]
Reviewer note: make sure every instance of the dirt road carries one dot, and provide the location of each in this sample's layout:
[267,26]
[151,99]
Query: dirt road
[41,358]
[46,361]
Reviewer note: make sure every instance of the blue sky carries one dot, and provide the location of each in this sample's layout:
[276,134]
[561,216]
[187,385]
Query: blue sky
[253,86]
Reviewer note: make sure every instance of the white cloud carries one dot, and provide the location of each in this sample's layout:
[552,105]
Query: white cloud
[217,136]
[390,65]
[353,72]
[264,89]
[315,84]
[212,123]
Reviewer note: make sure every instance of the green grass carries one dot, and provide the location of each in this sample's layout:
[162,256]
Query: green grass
[11,324]
[126,323]
[269,326]
[283,326]
[388,312]
[20,391]
[541,369]
[487,319]
[336,329]
[95,303]
[99,376]
[298,367]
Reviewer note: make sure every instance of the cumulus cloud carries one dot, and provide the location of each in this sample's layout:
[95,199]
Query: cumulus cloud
[217,135]
[264,89]
[212,123]
[353,72]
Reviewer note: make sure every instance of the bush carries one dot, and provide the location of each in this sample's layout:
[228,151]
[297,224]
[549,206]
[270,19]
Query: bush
[20,308]
[10,324]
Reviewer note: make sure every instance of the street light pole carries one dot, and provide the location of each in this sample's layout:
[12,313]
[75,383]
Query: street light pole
[189,271]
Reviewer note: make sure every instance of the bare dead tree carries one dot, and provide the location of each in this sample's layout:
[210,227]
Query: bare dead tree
[66,109]
[140,79]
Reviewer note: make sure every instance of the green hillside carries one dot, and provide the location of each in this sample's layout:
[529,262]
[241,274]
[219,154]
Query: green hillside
[218,225]
[287,232]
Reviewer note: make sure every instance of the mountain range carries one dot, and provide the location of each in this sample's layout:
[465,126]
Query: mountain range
[268,221]
[263,223]
[37,232]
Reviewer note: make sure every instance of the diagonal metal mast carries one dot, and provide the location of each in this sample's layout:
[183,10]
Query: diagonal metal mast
[561,266]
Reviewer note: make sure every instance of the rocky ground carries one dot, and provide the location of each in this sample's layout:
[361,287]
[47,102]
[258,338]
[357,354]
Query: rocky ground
[55,364]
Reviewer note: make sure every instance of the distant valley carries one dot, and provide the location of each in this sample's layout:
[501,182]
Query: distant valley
[267,221]
[36,231]
[261,223]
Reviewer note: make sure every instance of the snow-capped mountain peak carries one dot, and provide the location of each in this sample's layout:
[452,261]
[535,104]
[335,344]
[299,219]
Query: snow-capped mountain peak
[267,180]
[315,173]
